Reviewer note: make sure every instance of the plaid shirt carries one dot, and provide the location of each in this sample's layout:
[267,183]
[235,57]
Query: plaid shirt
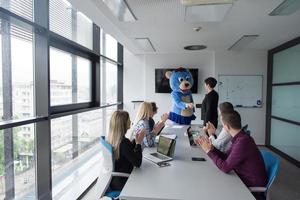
[149,139]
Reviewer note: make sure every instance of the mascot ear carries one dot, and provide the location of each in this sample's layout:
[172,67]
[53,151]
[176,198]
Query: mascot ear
[168,74]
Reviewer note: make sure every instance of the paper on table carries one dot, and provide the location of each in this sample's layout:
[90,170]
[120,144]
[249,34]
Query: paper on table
[176,126]
[171,136]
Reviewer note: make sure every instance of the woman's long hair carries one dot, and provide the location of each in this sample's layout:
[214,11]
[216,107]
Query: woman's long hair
[144,112]
[118,126]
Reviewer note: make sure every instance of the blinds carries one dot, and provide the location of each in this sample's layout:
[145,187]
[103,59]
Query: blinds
[73,26]
[18,32]
[23,8]
[61,17]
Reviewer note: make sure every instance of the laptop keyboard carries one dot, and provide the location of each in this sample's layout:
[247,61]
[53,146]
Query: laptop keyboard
[162,157]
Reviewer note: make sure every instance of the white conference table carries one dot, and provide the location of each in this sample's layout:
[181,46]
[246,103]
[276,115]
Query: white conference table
[184,179]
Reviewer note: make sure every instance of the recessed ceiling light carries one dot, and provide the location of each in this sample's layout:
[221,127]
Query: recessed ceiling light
[121,10]
[195,47]
[287,7]
[243,42]
[206,13]
[145,44]
[205,2]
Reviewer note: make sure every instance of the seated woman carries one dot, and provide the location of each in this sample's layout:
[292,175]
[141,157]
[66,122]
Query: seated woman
[157,127]
[127,154]
[142,121]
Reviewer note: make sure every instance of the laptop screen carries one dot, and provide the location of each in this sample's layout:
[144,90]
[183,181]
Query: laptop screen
[164,145]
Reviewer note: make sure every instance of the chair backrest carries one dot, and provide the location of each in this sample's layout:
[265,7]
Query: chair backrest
[106,167]
[271,165]
[246,130]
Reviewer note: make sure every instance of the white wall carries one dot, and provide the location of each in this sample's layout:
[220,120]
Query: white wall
[134,81]
[247,63]
[139,73]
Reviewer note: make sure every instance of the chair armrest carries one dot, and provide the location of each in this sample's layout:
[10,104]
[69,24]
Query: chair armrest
[120,174]
[257,189]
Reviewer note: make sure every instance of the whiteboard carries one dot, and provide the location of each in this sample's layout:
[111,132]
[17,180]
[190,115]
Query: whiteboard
[241,90]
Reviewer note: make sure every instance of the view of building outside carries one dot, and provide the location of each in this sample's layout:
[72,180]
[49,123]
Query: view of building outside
[73,137]
[89,126]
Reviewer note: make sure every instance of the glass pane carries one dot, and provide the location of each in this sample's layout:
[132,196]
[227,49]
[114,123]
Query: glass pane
[23,148]
[84,30]
[286,65]
[65,20]
[70,78]
[60,17]
[73,144]
[24,162]
[22,8]
[84,80]
[16,61]
[60,77]
[108,113]
[285,102]
[111,47]
[2,166]
[109,82]
[286,137]
[89,129]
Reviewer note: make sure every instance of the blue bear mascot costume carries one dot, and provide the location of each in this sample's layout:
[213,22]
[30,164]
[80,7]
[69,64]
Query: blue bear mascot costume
[181,81]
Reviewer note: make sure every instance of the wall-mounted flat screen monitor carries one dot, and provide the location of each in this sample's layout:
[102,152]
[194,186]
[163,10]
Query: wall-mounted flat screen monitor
[162,83]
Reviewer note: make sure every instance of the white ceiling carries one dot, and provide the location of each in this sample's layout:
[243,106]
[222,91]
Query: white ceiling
[163,22]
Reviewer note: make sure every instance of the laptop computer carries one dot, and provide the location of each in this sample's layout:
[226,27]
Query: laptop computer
[191,133]
[165,151]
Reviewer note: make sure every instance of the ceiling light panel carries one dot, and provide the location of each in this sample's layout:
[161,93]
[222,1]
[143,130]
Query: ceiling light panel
[145,44]
[244,41]
[120,10]
[287,7]
[206,13]
[205,2]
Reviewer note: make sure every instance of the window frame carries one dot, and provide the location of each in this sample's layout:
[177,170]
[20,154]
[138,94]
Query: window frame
[270,86]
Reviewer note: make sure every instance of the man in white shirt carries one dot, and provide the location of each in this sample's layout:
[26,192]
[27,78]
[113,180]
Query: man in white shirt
[223,140]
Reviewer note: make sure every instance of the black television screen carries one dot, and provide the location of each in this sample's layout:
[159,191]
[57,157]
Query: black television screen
[162,83]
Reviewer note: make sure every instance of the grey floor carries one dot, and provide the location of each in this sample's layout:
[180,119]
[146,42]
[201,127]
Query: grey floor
[287,183]
[285,187]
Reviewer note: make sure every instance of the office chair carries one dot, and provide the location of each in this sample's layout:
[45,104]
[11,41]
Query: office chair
[246,130]
[106,172]
[271,165]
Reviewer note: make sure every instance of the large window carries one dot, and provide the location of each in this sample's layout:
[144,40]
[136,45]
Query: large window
[16,72]
[70,78]
[73,140]
[52,108]
[20,168]
[66,21]
[284,117]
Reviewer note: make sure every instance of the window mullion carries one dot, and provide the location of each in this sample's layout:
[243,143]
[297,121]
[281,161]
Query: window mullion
[7,109]
[42,102]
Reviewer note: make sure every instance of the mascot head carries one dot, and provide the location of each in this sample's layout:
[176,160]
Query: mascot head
[181,80]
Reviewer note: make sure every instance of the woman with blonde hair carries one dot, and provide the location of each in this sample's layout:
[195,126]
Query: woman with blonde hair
[127,154]
[141,121]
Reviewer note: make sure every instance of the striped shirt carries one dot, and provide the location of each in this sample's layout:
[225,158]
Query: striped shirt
[149,139]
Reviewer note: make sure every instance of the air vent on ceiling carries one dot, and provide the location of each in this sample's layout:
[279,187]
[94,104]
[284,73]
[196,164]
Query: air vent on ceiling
[243,42]
[195,47]
[120,10]
[286,8]
[145,44]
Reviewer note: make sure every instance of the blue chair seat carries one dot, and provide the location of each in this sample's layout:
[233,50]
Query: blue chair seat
[113,194]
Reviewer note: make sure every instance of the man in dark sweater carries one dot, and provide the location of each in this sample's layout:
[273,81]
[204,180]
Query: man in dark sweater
[209,109]
[243,156]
